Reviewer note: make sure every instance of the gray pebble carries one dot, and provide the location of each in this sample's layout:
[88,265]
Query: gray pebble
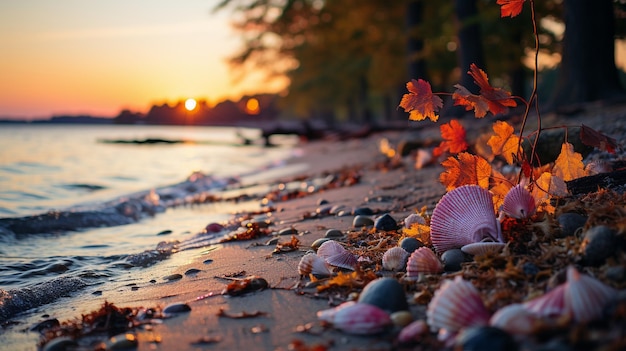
[288,231]
[333,233]
[363,211]
[599,243]
[362,221]
[171,277]
[452,260]
[177,307]
[335,209]
[569,223]
[616,273]
[323,210]
[322,202]
[385,222]
[317,243]
[192,271]
[385,293]
[344,213]
[410,244]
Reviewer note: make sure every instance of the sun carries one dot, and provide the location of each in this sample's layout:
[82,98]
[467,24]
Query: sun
[190,104]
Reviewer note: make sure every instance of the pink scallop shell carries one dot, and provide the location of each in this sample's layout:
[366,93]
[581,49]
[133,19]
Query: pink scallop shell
[328,315]
[463,216]
[483,247]
[456,305]
[550,304]
[394,259]
[313,264]
[519,203]
[362,319]
[413,332]
[516,319]
[413,218]
[423,261]
[585,296]
[343,260]
[330,248]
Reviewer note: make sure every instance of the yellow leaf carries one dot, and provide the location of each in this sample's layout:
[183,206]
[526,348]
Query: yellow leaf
[547,186]
[418,231]
[569,165]
[504,143]
[467,169]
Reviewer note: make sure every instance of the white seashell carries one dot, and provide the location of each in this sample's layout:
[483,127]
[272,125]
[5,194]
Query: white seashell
[550,304]
[328,315]
[516,319]
[423,261]
[343,260]
[394,259]
[413,332]
[362,319]
[330,248]
[456,305]
[586,297]
[519,203]
[413,218]
[313,264]
[483,248]
[463,216]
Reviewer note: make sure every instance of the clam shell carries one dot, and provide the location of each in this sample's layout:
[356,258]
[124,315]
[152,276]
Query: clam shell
[519,203]
[456,305]
[362,319]
[413,218]
[586,297]
[463,216]
[394,259]
[343,260]
[313,264]
[424,261]
[516,319]
[483,248]
[328,315]
[550,304]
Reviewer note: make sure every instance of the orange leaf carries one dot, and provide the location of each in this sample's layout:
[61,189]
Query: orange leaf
[547,186]
[453,134]
[510,8]
[467,169]
[494,100]
[504,143]
[569,165]
[421,102]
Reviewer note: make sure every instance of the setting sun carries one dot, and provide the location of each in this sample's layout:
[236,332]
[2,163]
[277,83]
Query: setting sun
[190,104]
[252,106]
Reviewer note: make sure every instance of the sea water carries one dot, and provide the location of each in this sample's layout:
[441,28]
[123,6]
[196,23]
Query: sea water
[117,197]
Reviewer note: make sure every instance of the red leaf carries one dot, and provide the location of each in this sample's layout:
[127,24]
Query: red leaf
[592,137]
[494,100]
[453,134]
[421,102]
[510,8]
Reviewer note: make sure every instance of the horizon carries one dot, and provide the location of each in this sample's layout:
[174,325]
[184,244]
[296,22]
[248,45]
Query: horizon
[70,57]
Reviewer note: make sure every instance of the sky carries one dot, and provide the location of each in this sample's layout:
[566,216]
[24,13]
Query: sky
[99,57]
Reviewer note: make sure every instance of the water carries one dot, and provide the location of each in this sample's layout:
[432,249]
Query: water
[77,212]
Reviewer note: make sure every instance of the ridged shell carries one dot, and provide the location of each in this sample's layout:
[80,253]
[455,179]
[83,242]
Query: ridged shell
[483,248]
[413,218]
[362,319]
[456,305]
[585,296]
[343,260]
[330,248]
[394,259]
[463,216]
[519,203]
[550,304]
[516,319]
[328,315]
[313,264]
[423,261]
[413,332]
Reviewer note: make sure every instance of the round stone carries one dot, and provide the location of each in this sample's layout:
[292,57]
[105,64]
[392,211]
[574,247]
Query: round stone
[385,293]
[486,338]
[333,233]
[363,211]
[599,243]
[362,221]
[60,344]
[323,210]
[321,202]
[401,318]
[177,307]
[192,271]
[569,223]
[385,222]
[335,209]
[288,231]
[317,243]
[171,277]
[452,260]
[410,244]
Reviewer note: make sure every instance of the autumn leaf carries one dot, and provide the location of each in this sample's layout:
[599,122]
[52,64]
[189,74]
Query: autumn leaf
[494,100]
[510,8]
[547,186]
[453,134]
[466,169]
[569,165]
[418,231]
[421,103]
[504,143]
[592,137]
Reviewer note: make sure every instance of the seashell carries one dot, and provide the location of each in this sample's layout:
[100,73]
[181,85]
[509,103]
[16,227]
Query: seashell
[456,305]
[519,203]
[413,218]
[343,260]
[463,216]
[483,248]
[330,248]
[413,332]
[424,261]
[394,259]
[313,264]
[328,315]
[586,297]
[362,319]
[516,319]
[550,304]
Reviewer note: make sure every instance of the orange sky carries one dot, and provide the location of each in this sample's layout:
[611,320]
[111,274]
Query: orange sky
[98,57]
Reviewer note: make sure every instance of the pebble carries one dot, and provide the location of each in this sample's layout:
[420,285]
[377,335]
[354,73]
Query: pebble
[485,338]
[272,241]
[123,342]
[385,293]
[401,318]
[410,244]
[323,210]
[288,231]
[616,273]
[317,243]
[333,233]
[192,271]
[214,228]
[452,260]
[177,307]
[598,244]
[165,232]
[362,221]
[530,269]
[207,261]
[321,202]
[171,277]
[344,213]
[570,222]
[363,211]
[335,209]
[60,344]
[46,324]
[385,222]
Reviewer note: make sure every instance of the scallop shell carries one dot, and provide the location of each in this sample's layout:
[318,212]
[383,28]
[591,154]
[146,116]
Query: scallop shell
[328,315]
[394,259]
[483,248]
[463,216]
[585,296]
[330,248]
[336,255]
[424,261]
[516,319]
[413,218]
[313,264]
[550,304]
[456,305]
[361,318]
[519,203]
[413,332]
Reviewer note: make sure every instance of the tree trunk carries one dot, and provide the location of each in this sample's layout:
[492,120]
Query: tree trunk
[470,48]
[415,45]
[587,70]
